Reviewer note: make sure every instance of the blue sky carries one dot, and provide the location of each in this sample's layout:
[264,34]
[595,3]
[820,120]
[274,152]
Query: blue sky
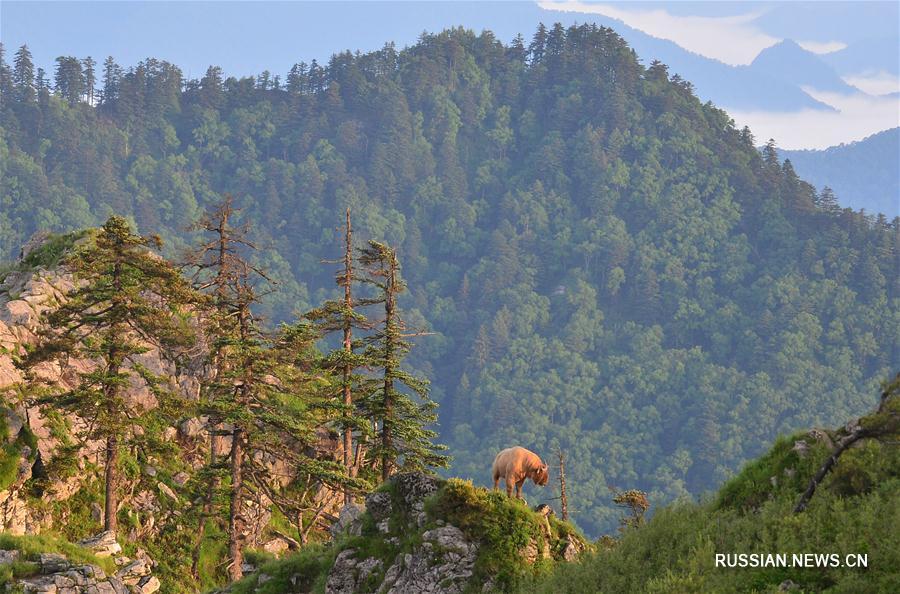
[246,38]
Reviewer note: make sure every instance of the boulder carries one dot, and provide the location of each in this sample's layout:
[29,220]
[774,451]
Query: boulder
[191,428]
[348,574]
[103,544]
[379,505]
[443,563]
[349,520]
[147,585]
[414,487]
[52,563]
[132,573]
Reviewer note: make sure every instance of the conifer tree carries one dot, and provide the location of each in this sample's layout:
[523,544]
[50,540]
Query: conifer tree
[261,387]
[403,439]
[216,264]
[6,75]
[127,301]
[112,74]
[69,79]
[341,316]
[23,75]
[90,78]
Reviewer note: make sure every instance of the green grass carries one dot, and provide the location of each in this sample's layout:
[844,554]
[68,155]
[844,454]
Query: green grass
[753,485]
[11,451]
[304,571]
[855,510]
[30,547]
[50,253]
[501,526]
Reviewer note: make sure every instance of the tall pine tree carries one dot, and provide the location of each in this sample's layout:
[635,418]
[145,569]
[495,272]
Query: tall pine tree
[342,316]
[126,302]
[403,439]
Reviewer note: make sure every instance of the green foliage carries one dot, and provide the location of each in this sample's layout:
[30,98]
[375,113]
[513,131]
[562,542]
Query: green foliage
[11,447]
[31,546]
[502,526]
[52,250]
[855,512]
[304,571]
[607,265]
[754,485]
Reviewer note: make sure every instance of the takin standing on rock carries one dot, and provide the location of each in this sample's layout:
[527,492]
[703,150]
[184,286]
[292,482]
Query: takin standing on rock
[516,464]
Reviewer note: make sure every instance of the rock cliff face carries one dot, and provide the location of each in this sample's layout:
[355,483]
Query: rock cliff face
[51,481]
[35,435]
[421,534]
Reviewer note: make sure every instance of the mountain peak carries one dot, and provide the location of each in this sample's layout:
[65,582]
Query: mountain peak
[788,61]
[786,48]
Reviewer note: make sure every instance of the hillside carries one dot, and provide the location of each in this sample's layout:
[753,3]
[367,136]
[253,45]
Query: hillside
[417,534]
[605,265]
[850,531]
[863,174]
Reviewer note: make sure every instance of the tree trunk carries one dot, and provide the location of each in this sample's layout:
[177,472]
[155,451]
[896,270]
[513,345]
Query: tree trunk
[348,348]
[842,446]
[206,514]
[386,436]
[235,553]
[563,497]
[111,504]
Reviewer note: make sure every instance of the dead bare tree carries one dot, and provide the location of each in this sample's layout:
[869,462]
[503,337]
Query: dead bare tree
[884,422]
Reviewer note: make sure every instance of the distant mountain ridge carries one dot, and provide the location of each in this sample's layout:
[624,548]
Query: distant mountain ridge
[791,63]
[863,174]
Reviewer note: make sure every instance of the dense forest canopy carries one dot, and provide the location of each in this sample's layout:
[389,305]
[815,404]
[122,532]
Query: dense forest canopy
[606,265]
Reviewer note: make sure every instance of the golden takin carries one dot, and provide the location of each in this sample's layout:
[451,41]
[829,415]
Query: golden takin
[516,464]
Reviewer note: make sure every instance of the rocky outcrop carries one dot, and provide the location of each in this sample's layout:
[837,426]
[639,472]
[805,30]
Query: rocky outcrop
[419,552]
[55,574]
[27,292]
[444,563]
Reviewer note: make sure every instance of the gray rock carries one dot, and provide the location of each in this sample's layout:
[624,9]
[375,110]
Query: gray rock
[414,487]
[103,544]
[348,574]
[148,585]
[132,573]
[8,557]
[787,586]
[444,563]
[52,563]
[191,428]
[349,520]
[379,505]
[573,549]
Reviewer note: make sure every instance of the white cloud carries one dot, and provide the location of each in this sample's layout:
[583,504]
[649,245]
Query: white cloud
[731,39]
[857,116]
[874,83]
[822,47]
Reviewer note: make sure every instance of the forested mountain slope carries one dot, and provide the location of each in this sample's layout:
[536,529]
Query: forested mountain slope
[607,265]
[863,174]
